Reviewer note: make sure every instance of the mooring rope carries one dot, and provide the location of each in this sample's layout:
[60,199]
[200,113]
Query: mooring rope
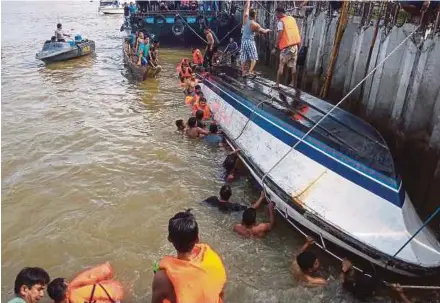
[183,19]
[337,104]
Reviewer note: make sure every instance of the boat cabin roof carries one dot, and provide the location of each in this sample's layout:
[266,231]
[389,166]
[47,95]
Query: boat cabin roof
[340,130]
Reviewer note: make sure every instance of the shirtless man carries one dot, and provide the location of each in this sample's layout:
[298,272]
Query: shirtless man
[249,227]
[192,131]
[305,264]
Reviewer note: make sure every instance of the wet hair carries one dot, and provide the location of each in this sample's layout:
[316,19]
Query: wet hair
[179,124]
[229,162]
[202,99]
[280,10]
[192,122]
[193,50]
[197,86]
[306,260]
[362,286]
[249,217]
[57,289]
[225,192]
[252,13]
[199,114]
[213,128]
[59,25]
[30,276]
[183,231]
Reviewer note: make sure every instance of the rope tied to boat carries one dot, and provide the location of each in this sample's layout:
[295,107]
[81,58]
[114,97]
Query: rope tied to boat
[186,23]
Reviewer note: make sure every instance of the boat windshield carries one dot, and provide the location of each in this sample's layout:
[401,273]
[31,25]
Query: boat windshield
[55,46]
[340,130]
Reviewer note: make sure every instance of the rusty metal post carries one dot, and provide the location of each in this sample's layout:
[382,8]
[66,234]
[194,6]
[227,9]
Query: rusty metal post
[373,42]
[343,19]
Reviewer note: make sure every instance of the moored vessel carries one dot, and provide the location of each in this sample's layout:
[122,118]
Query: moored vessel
[339,182]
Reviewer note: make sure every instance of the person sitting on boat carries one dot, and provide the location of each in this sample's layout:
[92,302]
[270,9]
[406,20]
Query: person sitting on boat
[180,125]
[144,52]
[59,33]
[192,131]
[199,117]
[196,274]
[248,51]
[223,203]
[139,40]
[214,138]
[288,40]
[154,54]
[202,105]
[249,227]
[231,51]
[92,285]
[305,264]
[29,285]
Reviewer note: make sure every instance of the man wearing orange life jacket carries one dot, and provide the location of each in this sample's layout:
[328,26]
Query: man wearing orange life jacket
[196,275]
[92,285]
[288,40]
[201,105]
[197,56]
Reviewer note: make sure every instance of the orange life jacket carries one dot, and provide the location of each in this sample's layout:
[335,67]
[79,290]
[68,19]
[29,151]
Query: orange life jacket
[185,72]
[200,280]
[206,110]
[197,57]
[181,63]
[96,281]
[290,34]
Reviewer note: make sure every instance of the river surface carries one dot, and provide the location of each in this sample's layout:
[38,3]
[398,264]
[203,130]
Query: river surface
[92,168]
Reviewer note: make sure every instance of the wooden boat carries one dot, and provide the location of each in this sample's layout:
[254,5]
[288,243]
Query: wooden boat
[139,72]
[339,183]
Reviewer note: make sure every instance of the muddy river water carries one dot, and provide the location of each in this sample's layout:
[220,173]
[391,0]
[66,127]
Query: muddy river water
[92,168]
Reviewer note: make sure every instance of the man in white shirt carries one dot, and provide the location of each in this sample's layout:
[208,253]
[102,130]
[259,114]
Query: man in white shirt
[59,34]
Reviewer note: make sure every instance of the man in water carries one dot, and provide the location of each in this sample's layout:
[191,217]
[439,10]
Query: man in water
[201,105]
[180,125]
[223,203]
[248,51]
[231,50]
[196,274]
[192,131]
[249,227]
[288,40]
[30,284]
[59,33]
[232,165]
[213,138]
[199,118]
[154,54]
[305,265]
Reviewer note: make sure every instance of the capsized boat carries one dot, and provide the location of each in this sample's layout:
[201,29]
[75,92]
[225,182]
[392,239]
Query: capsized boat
[339,182]
[139,72]
[54,51]
[110,7]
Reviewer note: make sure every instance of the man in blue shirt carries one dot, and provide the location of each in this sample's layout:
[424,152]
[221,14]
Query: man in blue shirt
[213,138]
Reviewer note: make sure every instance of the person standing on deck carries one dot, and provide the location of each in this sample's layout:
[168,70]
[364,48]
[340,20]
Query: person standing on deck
[231,50]
[248,51]
[126,12]
[288,40]
[210,48]
[196,274]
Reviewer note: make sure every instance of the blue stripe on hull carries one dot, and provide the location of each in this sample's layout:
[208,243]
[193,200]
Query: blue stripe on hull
[386,191]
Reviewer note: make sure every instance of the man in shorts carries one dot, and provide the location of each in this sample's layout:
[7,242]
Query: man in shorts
[288,40]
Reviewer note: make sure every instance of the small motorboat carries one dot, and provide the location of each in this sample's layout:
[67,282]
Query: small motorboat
[54,51]
[110,7]
[139,72]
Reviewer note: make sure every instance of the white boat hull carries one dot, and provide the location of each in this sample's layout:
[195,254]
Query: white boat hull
[111,10]
[346,207]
